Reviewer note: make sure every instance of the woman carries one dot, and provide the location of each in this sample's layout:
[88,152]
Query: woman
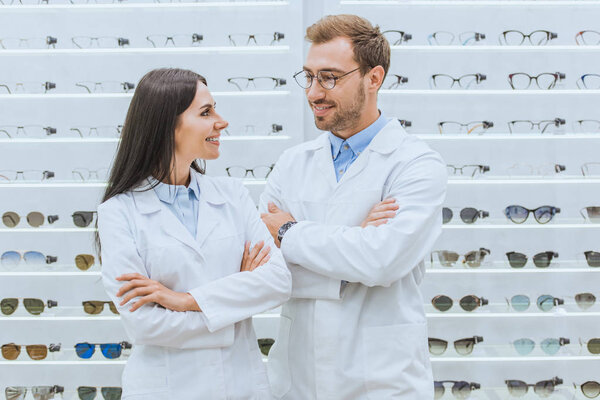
[175,250]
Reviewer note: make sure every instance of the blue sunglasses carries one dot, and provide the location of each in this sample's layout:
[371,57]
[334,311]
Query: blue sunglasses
[109,350]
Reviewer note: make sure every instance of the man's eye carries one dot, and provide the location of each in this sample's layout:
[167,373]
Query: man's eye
[328,76]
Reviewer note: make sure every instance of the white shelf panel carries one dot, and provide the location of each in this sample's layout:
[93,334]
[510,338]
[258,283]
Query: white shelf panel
[64,363]
[486,92]
[47,230]
[470,359]
[64,319]
[522,226]
[508,270]
[514,315]
[152,50]
[497,48]
[50,96]
[117,140]
[121,6]
[470,3]
[53,274]
[508,136]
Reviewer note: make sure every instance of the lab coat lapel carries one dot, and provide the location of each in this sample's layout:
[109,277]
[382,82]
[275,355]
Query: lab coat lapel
[324,160]
[208,209]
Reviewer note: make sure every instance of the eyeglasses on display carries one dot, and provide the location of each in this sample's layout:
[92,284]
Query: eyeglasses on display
[94,307]
[100,131]
[84,174]
[405,123]
[28,43]
[545,80]
[13,258]
[180,40]
[550,346]
[109,350]
[590,169]
[452,127]
[327,79]
[33,306]
[520,169]
[468,215]
[467,170]
[444,38]
[106,87]
[253,130]
[393,81]
[258,83]
[259,39]
[87,42]
[590,38]
[28,175]
[590,389]
[540,260]
[545,388]
[519,214]
[35,219]
[528,126]
[30,131]
[535,38]
[396,38]
[467,303]
[463,347]
[443,81]
[83,219]
[26,87]
[587,125]
[589,81]
[472,259]
[591,214]
[38,392]
[11,351]
[265,345]
[545,302]
[108,393]
[460,389]
[259,172]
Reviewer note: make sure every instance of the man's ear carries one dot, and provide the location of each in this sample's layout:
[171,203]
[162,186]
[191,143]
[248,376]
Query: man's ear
[375,78]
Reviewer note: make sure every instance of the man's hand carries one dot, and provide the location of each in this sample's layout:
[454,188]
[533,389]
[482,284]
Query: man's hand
[274,219]
[381,213]
[254,258]
[153,292]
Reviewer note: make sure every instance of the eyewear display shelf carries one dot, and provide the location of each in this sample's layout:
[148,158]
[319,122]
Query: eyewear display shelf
[264,121]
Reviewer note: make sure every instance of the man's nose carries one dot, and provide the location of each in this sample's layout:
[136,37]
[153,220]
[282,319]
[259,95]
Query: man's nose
[315,92]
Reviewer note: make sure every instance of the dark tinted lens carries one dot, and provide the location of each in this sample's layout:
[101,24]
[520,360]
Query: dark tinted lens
[585,300]
[516,388]
[593,346]
[437,347]
[93,307]
[84,261]
[34,306]
[447,258]
[442,303]
[11,351]
[542,260]
[9,306]
[84,350]
[461,390]
[593,214]
[593,258]
[543,214]
[111,393]
[35,219]
[516,260]
[446,217]
[438,390]
[469,303]
[82,218]
[469,215]
[464,346]
[520,302]
[113,308]
[11,219]
[86,392]
[591,389]
[516,214]
[544,388]
[265,345]
[37,351]
[545,302]
[111,350]
[475,258]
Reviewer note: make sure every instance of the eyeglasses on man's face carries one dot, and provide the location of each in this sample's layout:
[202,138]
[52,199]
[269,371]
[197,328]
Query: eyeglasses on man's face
[191,40]
[28,43]
[535,38]
[327,79]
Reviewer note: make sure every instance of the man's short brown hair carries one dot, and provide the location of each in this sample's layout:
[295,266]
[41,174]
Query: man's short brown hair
[370,47]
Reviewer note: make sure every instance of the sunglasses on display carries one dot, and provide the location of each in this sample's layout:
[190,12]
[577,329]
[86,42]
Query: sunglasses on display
[28,43]
[253,130]
[396,38]
[11,351]
[468,303]
[87,42]
[472,259]
[545,302]
[84,174]
[327,79]
[592,345]
[469,169]
[585,300]
[265,344]
[30,131]
[443,81]
[35,219]
[259,39]
[26,87]
[444,38]
[84,261]
[550,346]
[535,38]
[464,347]
[83,219]
[33,306]
[189,40]
[545,388]
[452,127]
[592,258]
[258,83]
[100,131]
[94,307]
[590,38]
[13,258]
[590,389]
[460,389]
[393,81]
[591,214]
[545,80]
[540,260]
[468,215]
[108,393]
[259,172]
[109,350]
[528,126]
[29,175]
[106,87]
[519,214]
[38,392]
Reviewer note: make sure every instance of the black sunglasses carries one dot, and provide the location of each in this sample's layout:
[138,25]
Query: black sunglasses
[540,260]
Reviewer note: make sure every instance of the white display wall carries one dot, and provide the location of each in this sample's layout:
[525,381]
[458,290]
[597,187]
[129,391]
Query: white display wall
[494,360]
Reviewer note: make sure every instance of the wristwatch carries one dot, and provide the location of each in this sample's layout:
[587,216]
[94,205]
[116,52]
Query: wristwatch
[284,228]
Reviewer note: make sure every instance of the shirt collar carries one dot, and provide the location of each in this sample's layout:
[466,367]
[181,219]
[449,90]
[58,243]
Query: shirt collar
[359,141]
[168,193]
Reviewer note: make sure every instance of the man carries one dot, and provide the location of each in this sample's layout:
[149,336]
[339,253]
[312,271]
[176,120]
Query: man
[355,327]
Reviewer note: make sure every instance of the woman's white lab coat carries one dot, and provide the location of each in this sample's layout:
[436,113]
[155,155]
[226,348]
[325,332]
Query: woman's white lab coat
[211,354]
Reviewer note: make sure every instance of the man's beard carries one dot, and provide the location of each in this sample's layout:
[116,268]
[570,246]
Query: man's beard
[343,119]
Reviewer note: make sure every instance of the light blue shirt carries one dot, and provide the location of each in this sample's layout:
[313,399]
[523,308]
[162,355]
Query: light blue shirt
[344,152]
[182,201]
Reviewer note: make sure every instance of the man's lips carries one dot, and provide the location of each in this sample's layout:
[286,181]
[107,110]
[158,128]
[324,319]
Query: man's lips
[321,109]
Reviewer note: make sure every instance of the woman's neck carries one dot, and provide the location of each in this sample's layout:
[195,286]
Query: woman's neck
[180,174]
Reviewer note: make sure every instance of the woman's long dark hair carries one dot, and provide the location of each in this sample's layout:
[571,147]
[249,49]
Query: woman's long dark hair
[147,146]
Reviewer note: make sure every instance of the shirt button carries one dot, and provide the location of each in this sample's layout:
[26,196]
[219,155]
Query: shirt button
[346,147]
[341,171]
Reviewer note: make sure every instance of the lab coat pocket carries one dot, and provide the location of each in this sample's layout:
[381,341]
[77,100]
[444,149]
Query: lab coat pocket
[278,367]
[146,371]
[396,362]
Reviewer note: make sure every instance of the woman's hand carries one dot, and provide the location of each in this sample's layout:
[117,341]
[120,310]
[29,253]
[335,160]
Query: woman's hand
[151,291]
[381,213]
[254,258]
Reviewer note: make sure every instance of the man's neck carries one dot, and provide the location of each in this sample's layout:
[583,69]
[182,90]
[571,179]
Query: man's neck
[367,120]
